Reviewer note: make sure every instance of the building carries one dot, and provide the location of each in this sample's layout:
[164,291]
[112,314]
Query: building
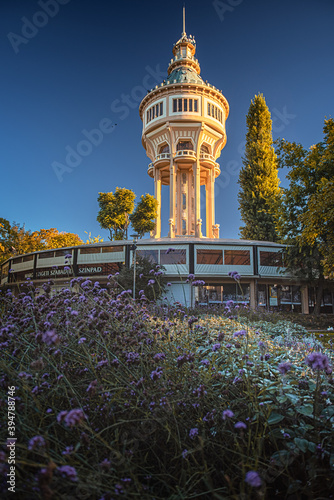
[183,135]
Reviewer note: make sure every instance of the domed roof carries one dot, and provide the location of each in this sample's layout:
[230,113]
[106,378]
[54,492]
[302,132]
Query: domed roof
[184,74]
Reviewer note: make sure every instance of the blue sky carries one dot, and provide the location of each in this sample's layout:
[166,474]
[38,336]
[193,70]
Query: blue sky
[67,70]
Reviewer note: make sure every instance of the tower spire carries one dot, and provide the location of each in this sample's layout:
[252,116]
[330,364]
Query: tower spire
[184,20]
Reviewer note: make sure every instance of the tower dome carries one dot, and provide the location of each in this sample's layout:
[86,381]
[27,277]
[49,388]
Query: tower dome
[183,135]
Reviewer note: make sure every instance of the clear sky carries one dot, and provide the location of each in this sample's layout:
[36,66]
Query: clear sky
[68,67]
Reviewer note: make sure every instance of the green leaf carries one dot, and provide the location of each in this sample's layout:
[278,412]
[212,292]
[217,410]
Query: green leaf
[274,418]
[302,444]
[306,410]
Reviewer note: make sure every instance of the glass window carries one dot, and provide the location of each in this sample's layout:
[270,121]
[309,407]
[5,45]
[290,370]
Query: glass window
[46,255]
[179,105]
[182,145]
[153,112]
[174,105]
[151,255]
[261,295]
[195,105]
[209,106]
[207,294]
[190,105]
[147,116]
[173,257]
[185,105]
[296,295]
[237,257]
[112,249]
[184,226]
[161,105]
[285,294]
[89,250]
[210,257]
[62,253]
[26,258]
[164,149]
[205,149]
[272,259]
[18,260]
[157,107]
[184,201]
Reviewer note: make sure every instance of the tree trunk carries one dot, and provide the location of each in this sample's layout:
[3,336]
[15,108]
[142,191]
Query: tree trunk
[318,298]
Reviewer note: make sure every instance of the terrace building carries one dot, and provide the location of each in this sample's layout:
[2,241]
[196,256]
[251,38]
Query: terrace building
[183,135]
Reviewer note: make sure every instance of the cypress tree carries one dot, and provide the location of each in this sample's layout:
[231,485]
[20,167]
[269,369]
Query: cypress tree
[258,177]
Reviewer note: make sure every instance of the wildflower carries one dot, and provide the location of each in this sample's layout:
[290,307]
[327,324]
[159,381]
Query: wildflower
[283,368]
[235,275]
[200,391]
[227,414]
[50,337]
[318,361]
[185,453]
[91,389]
[191,277]
[151,282]
[240,425]
[36,442]
[68,256]
[71,418]
[68,471]
[66,268]
[253,479]
[198,283]
[193,432]
[215,347]
[82,340]
[240,333]
[160,355]
[156,373]
[169,250]
[105,464]
[68,450]
[169,284]
[205,362]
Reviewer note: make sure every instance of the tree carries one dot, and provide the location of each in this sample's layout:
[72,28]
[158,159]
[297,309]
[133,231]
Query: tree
[258,178]
[143,218]
[115,210]
[16,240]
[305,213]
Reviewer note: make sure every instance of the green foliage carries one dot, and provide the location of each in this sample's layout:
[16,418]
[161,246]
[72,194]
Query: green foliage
[304,217]
[115,210]
[93,239]
[146,272]
[143,218]
[258,177]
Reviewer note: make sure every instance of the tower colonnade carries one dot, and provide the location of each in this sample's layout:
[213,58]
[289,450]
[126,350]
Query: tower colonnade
[183,135]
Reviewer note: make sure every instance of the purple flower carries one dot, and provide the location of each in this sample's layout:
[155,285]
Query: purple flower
[215,347]
[169,250]
[253,479]
[240,425]
[68,471]
[191,277]
[66,268]
[227,414]
[198,283]
[71,418]
[82,340]
[283,368]
[36,442]
[193,432]
[159,356]
[184,453]
[156,373]
[50,337]
[240,333]
[151,282]
[235,275]
[318,361]
[169,284]
[68,256]
[229,303]
[205,362]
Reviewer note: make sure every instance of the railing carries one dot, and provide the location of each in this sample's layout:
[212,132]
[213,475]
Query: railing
[162,156]
[185,152]
[206,156]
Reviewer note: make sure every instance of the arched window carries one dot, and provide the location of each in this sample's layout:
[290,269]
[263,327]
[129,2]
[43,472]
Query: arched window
[164,149]
[205,149]
[182,145]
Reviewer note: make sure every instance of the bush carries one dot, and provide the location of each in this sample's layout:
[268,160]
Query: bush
[121,399]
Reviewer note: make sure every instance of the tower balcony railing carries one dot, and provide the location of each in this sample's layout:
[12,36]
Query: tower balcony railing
[180,58]
[161,157]
[206,157]
[185,153]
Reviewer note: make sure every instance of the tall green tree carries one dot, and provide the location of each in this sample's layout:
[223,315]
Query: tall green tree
[114,213]
[144,215]
[305,216]
[258,177]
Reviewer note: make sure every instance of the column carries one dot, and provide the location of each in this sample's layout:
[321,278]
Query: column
[157,194]
[172,198]
[197,184]
[209,205]
[304,299]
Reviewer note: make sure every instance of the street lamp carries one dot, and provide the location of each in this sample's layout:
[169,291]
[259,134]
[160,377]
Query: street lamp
[133,248]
